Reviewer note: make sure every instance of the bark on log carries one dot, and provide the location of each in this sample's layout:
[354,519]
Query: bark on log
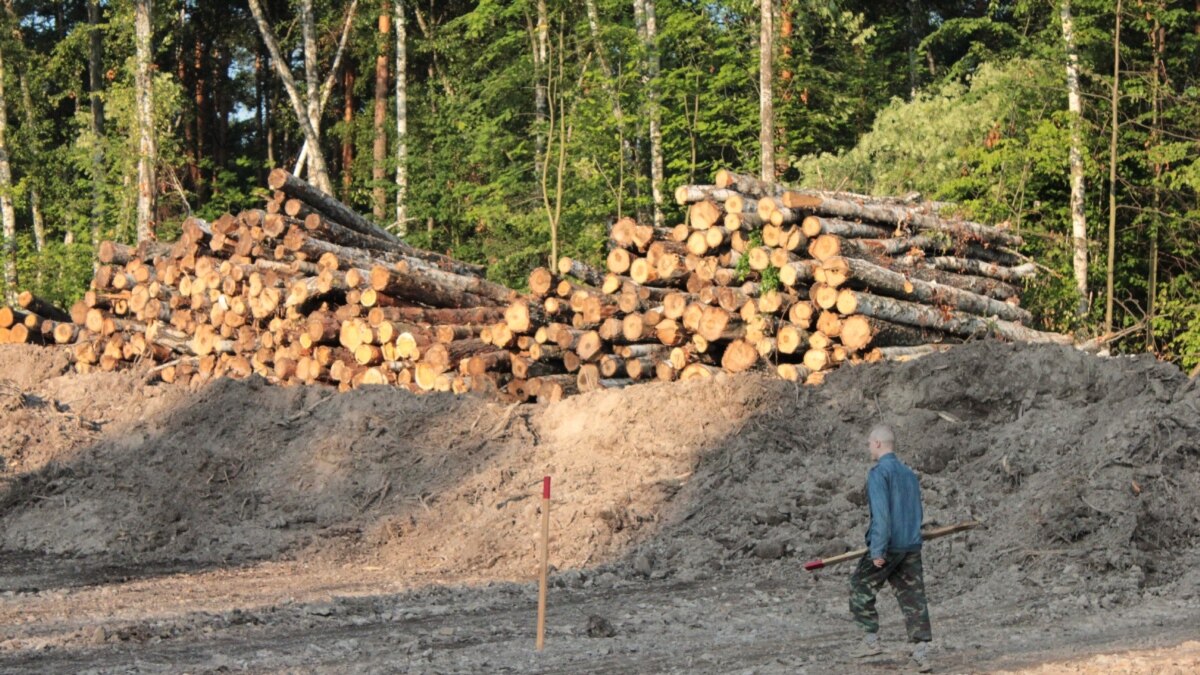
[912,352]
[865,275]
[900,216]
[745,184]
[280,179]
[954,322]
[827,246]
[814,226]
[1011,275]
[690,194]
[860,332]
[580,270]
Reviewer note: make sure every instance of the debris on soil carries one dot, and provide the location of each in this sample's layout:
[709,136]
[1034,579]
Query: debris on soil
[1082,469]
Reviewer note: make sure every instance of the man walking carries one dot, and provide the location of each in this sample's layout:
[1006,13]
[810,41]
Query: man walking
[894,550]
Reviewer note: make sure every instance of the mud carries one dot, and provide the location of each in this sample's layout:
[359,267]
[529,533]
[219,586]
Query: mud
[246,526]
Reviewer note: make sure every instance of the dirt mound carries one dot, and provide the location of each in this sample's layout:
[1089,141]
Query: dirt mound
[1084,471]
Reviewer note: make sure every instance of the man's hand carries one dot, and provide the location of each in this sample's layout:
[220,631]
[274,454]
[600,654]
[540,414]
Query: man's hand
[879,562]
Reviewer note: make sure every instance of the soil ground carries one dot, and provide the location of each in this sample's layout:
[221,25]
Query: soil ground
[244,527]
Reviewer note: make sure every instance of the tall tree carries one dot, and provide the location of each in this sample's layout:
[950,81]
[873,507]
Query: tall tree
[1079,241]
[541,73]
[379,167]
[147,148]
[29,119]
[8,215]
[96,118]
[326,89]
[654,111]
[318,170]
[348,137]
[401,120]
[1157,38]
[1114,124]
[766,89]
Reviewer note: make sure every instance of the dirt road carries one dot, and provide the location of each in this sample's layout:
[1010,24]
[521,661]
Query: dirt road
[761,618]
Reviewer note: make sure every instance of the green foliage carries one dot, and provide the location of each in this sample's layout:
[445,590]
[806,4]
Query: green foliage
[743,264]
[961,101]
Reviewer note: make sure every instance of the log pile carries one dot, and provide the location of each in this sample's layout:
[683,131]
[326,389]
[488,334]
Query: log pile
[308,291]
[302,291]
[761,276]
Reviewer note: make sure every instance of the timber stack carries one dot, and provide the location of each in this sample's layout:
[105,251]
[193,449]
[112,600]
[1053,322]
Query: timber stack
[799,281]
[303,291]
[758,276]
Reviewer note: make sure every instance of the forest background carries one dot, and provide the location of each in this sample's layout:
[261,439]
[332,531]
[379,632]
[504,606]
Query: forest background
[505,132]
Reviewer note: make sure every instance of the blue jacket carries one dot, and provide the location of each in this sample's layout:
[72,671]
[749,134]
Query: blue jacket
[894,494]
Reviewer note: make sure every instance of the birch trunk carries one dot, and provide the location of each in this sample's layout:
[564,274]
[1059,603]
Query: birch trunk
[379,156]
[35,198]
[766,97]
[401,121]
[1075,107]
[327,87]
[147,150]
[655,114]
[8,216]
[312,99]
[316,157]
[541,57]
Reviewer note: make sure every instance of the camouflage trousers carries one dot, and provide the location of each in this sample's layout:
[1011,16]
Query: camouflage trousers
[904,572]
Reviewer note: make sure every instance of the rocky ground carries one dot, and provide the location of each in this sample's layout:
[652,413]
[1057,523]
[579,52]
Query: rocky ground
[148,528]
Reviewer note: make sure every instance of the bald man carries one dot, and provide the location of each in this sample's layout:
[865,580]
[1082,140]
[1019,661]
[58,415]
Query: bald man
[894,550]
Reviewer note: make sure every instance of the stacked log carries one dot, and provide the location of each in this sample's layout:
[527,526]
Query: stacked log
[760,276]
[303,291]
[307,291]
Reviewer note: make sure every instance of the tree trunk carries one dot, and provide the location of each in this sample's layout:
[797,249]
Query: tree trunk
[902,216]
[1157,38]
[766,90]
[326,89]
[348,137]
[863,274]
[308,32]
[654,112]
[1114,103]
[1009,275]
[950,321]
[30,121]
[8,216]
[1075,108]
[379,155]
[401,121]
[323,201]
[541,70]
[95,83]
[316,157]
[860,332]
[147,149]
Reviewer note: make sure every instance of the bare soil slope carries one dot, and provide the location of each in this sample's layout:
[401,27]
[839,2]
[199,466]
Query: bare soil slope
[1084,471]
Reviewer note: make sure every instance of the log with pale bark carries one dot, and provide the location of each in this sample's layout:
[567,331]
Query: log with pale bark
[863,275]
[954,322]
[901,216]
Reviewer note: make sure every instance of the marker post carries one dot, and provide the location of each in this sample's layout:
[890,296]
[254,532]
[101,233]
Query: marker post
[545,564]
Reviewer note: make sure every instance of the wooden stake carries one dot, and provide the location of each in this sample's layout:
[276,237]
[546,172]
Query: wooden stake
[545,564]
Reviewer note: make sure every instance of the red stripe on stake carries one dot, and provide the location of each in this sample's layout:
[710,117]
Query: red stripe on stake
[546,487]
